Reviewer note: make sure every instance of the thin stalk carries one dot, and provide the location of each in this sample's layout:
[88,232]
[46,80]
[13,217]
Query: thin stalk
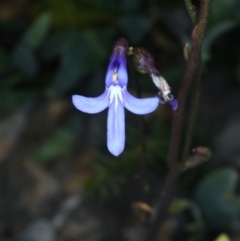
[192,69]
[192,118]
[143,180]
[191,10]
[174,170]
[143,161]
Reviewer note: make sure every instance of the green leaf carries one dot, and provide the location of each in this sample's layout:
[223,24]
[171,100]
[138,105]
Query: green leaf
[11,81]
[11,99]
[97,81]
[37,31]
[223,17]
[25,60]
[99,44]
[222,10]
[98,6]
[83,57]
[135,27]
[59,43]
[216,199]
[129,6]
[4,60]
[84,13]
[72,69]
[211,36]
[57,144]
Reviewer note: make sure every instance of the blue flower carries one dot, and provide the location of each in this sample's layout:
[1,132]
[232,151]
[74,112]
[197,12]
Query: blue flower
[116,97]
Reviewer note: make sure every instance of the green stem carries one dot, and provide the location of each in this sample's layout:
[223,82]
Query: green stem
[191,10]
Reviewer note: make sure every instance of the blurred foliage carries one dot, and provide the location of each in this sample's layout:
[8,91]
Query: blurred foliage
[195,227]
[37,32]
[54,49]
[222,237]
[223,17]
[215,196]
[108,176]
[57,144]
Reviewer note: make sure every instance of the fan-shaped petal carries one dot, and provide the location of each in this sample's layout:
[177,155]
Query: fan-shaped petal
[91,105]
[139,106]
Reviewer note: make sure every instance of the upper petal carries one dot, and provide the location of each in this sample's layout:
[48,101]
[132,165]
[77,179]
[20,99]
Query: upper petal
[91,105]
[116,128]
[139,106]
[117,69]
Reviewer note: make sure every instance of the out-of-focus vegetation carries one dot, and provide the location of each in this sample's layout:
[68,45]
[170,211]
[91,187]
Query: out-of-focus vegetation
[49,151]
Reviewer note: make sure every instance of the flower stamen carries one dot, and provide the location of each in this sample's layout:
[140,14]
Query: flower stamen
[115,75]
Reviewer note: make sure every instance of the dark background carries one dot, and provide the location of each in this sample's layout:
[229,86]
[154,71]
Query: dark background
[57,179]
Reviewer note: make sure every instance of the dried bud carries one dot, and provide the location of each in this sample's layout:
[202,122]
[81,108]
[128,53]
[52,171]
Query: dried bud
[204,151]
[142,206]
[143,61]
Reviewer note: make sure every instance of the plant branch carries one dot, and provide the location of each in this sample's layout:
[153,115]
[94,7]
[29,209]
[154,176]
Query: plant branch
[197,39]
[174,170]
[191,10]
[192,117]
[192,68]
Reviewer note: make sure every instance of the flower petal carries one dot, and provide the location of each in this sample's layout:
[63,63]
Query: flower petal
[117,69]
[174,104]
[116,128]
[139,106]
[122,71]
[91,105]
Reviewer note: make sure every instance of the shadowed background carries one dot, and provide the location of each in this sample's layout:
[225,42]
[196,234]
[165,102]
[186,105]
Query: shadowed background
[57,179]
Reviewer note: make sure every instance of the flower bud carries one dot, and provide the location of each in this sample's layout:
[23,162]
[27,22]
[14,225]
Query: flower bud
[143,61]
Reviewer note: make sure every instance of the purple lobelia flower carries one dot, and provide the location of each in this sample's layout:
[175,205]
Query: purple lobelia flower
[116,97]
